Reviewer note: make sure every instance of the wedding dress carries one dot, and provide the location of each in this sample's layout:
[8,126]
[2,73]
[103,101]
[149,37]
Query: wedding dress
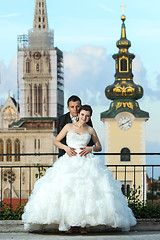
[77,191]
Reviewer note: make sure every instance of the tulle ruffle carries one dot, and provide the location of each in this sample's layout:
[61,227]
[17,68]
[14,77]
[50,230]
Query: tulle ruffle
[77,191]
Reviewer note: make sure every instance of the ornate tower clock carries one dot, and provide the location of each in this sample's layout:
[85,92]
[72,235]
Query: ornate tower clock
[124,121]
[40,69]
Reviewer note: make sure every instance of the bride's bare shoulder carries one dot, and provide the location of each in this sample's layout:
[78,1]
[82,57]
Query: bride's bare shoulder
[90,129]
[69,126]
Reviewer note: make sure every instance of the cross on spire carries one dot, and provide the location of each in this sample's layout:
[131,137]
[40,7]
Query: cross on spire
[123,6]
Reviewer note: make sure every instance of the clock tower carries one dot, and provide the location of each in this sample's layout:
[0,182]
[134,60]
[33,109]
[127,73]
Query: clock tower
[40,69]
[124,121]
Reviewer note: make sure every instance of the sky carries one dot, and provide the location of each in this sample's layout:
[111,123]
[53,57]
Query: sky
[86,31]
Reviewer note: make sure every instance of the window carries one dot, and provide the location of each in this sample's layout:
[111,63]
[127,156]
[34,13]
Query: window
[30,86]
[37,67]
[27,66]
[125,188]
[38,143]
[49,67]
[1,150]
[39,19]
[123,65]
[9,149]
[35,98]
[17,149]
[40,100]
[126,157]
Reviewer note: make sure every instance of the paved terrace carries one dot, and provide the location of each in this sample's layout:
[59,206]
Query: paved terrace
[148,229]
[154,235]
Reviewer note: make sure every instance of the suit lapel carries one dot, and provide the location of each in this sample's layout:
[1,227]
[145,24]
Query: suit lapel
[69,118]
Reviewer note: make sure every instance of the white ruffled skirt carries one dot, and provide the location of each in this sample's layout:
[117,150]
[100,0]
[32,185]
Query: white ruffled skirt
[77,191]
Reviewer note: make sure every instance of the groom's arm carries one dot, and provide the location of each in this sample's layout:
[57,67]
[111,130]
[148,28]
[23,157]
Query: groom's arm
[61,123]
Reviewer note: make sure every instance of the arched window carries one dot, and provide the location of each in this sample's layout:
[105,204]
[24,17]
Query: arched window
[35,98]
[123,65]
[43,19]
[39,19]
[47,103]
[27,66]
[30,86]
[9,149]
[1,150]
[126,156]
[40,100]
[49,66]
[17,149]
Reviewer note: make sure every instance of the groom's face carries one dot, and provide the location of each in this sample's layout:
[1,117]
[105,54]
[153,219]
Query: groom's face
[74,107]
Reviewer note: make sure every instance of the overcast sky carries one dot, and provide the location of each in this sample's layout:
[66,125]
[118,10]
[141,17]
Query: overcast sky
[86,31]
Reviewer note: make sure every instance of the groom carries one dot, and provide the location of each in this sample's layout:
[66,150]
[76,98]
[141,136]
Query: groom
[74,104]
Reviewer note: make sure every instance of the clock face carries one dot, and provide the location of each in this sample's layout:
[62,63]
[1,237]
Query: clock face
[125,123]
[37,55]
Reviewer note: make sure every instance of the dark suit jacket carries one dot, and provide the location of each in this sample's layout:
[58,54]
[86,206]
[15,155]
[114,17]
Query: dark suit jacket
[62,121]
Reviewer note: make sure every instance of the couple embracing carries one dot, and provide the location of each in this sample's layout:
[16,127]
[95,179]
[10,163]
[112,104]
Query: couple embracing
[78,190]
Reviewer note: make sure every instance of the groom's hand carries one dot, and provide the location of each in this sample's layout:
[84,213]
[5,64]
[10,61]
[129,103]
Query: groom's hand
[71,151]
[85,151]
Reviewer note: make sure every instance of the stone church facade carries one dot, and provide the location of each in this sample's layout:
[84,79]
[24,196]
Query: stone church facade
[28,126]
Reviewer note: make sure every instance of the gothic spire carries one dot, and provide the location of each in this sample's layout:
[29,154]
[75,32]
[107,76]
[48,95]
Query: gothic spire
[40,15]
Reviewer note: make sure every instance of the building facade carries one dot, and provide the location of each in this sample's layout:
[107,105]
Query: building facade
[124,121]
[30,126]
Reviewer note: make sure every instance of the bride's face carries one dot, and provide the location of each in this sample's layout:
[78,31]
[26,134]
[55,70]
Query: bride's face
[84,116]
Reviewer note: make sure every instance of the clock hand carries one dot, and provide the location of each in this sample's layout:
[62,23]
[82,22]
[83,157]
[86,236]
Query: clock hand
[125,123]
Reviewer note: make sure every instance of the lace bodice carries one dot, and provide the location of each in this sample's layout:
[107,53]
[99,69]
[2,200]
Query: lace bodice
[76,140]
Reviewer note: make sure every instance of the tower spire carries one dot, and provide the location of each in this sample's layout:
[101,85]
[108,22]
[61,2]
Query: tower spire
[124,92]
[40,15]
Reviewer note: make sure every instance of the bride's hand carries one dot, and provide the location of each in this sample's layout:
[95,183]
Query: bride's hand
[85,151]
[70,151]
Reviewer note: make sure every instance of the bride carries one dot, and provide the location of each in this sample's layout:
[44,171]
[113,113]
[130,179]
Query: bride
[78,190]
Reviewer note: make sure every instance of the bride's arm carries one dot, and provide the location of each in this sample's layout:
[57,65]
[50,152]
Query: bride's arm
[97,147]
[57,142]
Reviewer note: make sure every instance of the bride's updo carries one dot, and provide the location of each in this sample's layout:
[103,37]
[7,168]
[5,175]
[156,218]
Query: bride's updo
[86,108]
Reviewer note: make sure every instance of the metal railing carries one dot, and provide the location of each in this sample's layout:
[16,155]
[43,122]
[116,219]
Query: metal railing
[17,181]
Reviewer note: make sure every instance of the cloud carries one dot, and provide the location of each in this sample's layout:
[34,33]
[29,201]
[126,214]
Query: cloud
[105,8]
[10,15]
[88,70]
[8,78]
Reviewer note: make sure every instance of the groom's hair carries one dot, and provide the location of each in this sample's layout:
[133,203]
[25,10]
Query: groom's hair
[86,108]
[73,98]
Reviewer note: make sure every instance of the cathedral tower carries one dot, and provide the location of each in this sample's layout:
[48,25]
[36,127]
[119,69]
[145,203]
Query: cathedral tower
[124,121]
[40,69]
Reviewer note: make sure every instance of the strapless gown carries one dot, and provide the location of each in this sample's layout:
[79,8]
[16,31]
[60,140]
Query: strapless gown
[77,191]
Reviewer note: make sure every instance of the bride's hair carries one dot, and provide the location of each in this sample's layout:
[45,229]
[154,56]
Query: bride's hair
[86,108]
